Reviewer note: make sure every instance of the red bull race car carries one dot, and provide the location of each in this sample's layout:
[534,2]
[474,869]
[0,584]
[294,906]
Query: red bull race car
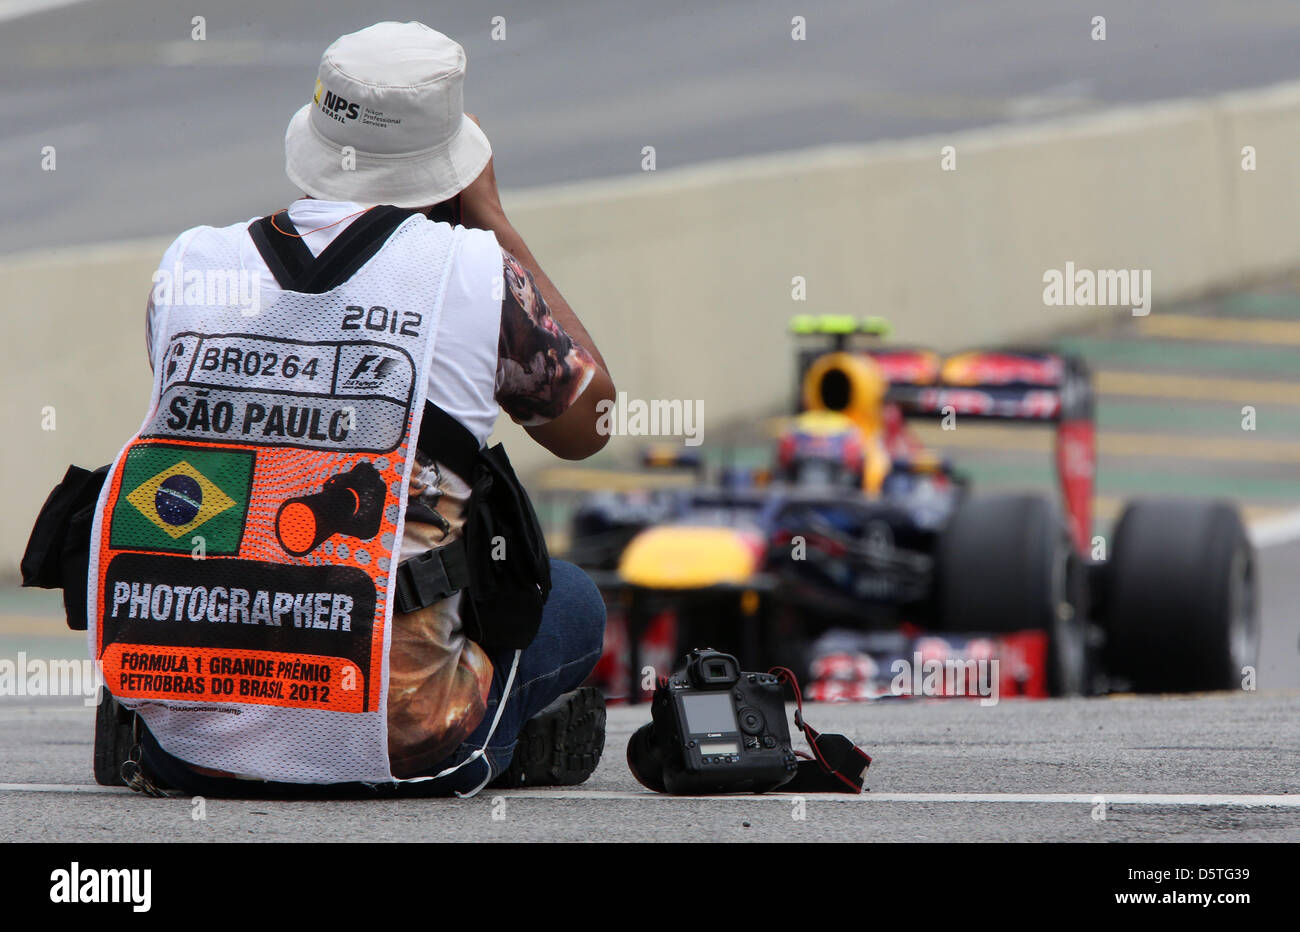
[866,563]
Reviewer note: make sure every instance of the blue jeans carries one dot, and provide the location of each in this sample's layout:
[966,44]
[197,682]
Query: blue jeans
[566,648]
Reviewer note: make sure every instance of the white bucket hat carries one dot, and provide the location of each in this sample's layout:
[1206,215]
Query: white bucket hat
[394,93]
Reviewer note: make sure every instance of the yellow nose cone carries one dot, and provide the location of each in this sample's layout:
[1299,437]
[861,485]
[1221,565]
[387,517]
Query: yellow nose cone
[684,557]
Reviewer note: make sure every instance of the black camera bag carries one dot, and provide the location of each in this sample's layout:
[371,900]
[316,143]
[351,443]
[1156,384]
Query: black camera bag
[58,550]
[501,558]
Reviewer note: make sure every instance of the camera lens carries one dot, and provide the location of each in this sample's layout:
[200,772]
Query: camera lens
[643,759]
[751,720]
[350,503]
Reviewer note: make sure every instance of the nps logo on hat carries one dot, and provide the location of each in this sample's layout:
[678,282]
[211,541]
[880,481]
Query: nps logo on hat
[173,492]
[333,105]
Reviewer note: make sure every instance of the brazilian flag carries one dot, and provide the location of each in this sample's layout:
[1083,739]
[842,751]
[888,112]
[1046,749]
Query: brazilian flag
[171,494]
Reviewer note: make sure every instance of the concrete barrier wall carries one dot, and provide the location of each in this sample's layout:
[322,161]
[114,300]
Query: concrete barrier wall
[685,277]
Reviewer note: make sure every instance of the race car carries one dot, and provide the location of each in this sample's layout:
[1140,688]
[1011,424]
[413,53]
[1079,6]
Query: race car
[859,557]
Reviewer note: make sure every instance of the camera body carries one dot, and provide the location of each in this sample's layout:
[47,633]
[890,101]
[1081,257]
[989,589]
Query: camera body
[714,729]
[350,503]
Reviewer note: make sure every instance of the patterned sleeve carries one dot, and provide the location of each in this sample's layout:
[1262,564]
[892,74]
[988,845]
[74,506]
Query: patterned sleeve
[541,370]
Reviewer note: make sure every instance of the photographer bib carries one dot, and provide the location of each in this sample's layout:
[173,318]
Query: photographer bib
[244,547]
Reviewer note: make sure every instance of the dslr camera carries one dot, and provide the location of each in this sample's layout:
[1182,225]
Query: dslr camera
[714,729]
[350,503]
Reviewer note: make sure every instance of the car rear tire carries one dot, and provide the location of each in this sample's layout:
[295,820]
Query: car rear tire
[1182,601]
[1006,564]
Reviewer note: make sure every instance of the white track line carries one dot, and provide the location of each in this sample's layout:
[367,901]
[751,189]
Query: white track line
[1286,801]
[32,711]
[1270,532]
[16,9]
[1281,801]
[60,788]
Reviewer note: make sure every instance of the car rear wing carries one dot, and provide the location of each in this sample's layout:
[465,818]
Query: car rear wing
[1023,385]
[1008,385]
[1002,384]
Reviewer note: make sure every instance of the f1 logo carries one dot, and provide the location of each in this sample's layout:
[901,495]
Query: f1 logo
[363,366]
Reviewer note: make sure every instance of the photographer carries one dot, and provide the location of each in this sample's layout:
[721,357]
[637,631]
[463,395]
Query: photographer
[385,127]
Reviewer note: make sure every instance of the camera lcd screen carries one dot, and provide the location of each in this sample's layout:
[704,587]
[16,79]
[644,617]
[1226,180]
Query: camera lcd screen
[719,747]
[709,713]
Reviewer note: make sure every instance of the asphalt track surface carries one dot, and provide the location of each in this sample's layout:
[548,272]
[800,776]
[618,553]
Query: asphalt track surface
[154,131]
[1211,768]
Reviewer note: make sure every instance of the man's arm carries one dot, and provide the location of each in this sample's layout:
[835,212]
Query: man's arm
[544,374]
[572,435]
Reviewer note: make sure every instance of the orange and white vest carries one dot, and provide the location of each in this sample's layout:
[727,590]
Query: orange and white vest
[243,552]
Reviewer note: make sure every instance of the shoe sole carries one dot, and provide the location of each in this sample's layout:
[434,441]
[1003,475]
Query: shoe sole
[562,744]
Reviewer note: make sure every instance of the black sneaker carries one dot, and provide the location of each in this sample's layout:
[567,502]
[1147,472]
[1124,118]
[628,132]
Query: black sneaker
[560,745]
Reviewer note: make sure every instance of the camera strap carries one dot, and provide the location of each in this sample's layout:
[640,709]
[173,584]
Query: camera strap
[294,266]
[837,764]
